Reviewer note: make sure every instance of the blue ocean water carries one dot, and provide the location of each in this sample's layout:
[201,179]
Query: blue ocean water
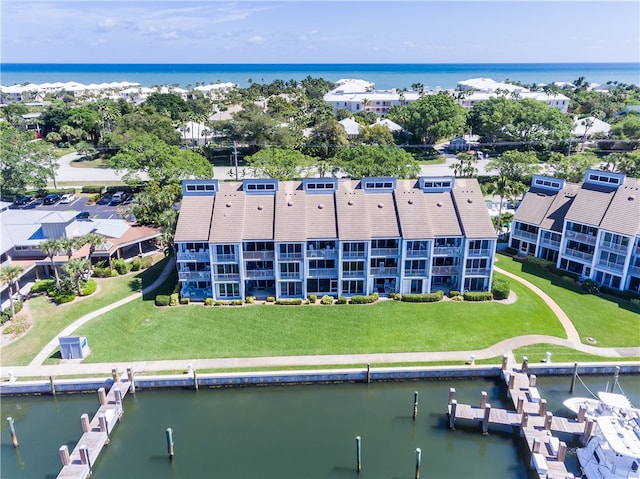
[385,76]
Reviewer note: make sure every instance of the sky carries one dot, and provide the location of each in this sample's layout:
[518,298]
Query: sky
[329,31]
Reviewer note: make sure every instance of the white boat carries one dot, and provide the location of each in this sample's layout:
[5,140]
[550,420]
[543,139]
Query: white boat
[607,404]
[613,452]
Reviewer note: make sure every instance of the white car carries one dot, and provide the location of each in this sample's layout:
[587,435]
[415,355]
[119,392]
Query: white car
[68,198]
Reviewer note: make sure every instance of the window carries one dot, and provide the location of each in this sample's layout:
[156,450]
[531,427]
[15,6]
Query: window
[353,249]
[227,290]
[477,263]
[353,287]
[227,269]
[415,265]
[291,268]
[291,289]
[353,267]
[378,185]
[291,249]
[322,264]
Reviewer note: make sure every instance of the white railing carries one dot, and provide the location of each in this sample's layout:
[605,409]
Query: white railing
[290,275]
[297,255]
[574,253]
[227,276]
[194,275]
[385,271]
[531,237]
[354,254]
[258,273]
[322,253]
[190,256]
[416,272]
[479,252]
[581,237]
[384,251]
[258,254]
[414,253]
[477,271]
[611,265]
[615,247]
[549,242]
[226,258]
[352,274]
[445,270]
[447,250]
[323,272]
[634,271]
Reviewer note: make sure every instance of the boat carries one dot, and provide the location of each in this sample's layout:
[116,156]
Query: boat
[613,452]
[607,404]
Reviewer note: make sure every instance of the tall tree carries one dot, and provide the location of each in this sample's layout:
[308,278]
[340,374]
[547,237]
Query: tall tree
[9,275]
[364,161]
[572,168]
[284,164]
[76,268]
[52,247]
[69,244]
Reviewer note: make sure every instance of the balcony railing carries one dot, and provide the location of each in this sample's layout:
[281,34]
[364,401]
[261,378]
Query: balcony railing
[297,255]
[385,271]
[269,254]
[194,275]
[226,258]
[445,270]
[415,253]
[635,271]
[258,273]
[611,265]
[422,272]
[353,274]
[477,271]
[384,251]
[526,235]
[322,253]
[190,256]
[581,237]
[322,272]
[289,274]
[549,243]
[227,277]
[574,253]
[354,254]
[615,247]
[480,252]
[447,250]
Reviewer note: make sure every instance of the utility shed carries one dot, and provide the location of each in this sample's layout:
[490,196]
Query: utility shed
[73,347]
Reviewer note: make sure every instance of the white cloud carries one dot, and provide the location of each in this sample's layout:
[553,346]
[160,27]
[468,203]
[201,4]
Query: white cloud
[256,40]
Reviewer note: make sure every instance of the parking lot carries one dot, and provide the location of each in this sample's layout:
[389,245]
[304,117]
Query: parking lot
[103,211]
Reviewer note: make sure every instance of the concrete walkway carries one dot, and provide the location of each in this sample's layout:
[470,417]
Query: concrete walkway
[75,367]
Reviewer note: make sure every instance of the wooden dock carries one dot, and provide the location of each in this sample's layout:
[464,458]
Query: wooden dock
[96,433]
[530,416]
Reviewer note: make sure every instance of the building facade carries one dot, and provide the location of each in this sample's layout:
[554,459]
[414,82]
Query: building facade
[339,237]
[591,230]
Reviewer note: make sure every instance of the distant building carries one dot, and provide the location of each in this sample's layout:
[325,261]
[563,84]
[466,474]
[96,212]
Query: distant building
[359,95]
[339,237]
[592,229]
[590,126]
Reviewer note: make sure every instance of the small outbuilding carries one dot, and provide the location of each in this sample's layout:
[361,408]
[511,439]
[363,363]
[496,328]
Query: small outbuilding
[73,347]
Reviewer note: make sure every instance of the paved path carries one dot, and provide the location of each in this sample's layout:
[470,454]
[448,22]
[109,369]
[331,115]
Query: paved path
[68,173]
[75,367]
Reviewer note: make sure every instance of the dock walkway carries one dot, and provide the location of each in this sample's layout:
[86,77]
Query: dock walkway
[530,416]
[96,433]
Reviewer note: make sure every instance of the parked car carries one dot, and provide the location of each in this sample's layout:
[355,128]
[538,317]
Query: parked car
[105,200]
[22,200]
[68,198]
[119,197]
[51,199]
[83,215]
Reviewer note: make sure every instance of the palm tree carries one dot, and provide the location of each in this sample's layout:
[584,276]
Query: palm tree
[504,187]
[68,245]
[94,240]
[76,268]
[51,248]
[9,275]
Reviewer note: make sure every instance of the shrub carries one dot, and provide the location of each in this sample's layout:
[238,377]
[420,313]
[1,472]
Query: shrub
[121,266]
[237,302]
[104,272]
[590,286]
[163,300]
[568,279]
[453,293]
[539,261]
[146,261]
[185,300]
[52,291]
[174,299]
[326,299]
[635,302]
[342,300]
[372,298]
[136,264]
[92,189]
[478,296]
[250,299]
[42,286]
[458,298]
[271,299]
[64,297]
[88,287]
[208,301]
[500,288]
[424,297]
[313,298]
[220,302]
[289,301]
[6,314]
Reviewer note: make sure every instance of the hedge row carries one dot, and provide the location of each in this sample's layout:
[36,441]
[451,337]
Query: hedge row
[289,301]
[478,296]
[423,298]
[372,298]
[500,288]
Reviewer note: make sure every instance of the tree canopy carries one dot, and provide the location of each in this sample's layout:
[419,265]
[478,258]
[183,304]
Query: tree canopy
[284,164]
[363,161]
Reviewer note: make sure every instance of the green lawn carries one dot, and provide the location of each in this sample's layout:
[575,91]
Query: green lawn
[140,331]
[90,163]
[613,322]
[50,319]
[559,354]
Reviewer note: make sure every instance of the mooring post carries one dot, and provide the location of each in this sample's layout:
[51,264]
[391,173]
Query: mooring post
[102,396]
[170,442]
[12,430]
[85,458]
[84,422]
[505,361]
[615,378]
[562,451]
[525,420]
[195,380]
[132,383]
[418,459]
[520,405]
[472,361]
[485,420]
[358,453]
[64,455]
[542,408]
[483,399]
[548,419]
[104,426]
[582,412]
[119,405]
[452,394]
[512,381]
[368,373]
[535,447]
[532,380]
[114,374]
[52,386]
[588,430]
[415,404]
[525,364]
[452,414]
[575,375]
[548,359]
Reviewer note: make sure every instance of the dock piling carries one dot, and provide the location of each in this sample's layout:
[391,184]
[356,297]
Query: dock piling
[582,412]
[542,407]
[573,379]
[485,420]
[536,445]
[119,407]
[525,365]
[562,451]
[532,381]
[452,415]
[195,380]
[104,426]
[418,460]
[483,399]
[12,430]
[505,361]
[132,384]
[102,396]
[84,422]
[85,458]
[615,378]
[64,455]
[452,394]
[368,373]
[415,404]
[588,430]
[520,406]
[358,454]
[170,442]
[52,386]
[548,419]
[114,375]
[524,423]
[512,381]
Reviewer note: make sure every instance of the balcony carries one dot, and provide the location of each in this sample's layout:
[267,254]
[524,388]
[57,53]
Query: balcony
[353,274]
[415,253]
[525,235]
[286,256]
[479,252]
[635,271]
[226,258]
[416,272]
[447,250]
[354,254]
[574,253]
[258,273]
[268,254]
[384,251]
[235,277]
[614,247]
[611,265]
[477,272]
[322,253]
[445,270]
[194,275]
[290,275]
[322,272]
[201,256]
[549,243]
[385,271]
[581,237]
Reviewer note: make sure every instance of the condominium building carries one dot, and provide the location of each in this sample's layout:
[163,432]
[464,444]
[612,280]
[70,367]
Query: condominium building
[339,237]
[592,229]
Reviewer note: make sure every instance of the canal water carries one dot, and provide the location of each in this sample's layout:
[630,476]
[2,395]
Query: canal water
[302,431]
